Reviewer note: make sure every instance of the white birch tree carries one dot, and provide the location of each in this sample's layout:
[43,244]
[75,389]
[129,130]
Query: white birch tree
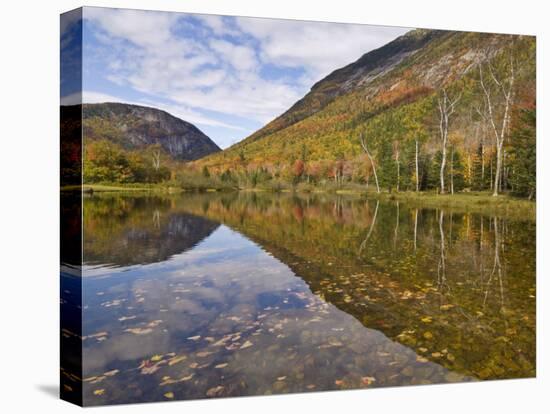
[363,142]
[498,116]
[447,106]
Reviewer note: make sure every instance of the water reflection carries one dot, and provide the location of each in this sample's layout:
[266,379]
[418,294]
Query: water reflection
[211,295]
[124,231]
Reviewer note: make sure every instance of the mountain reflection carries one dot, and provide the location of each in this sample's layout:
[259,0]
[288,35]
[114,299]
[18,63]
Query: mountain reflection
[356,292]
[124,231]
[435,280]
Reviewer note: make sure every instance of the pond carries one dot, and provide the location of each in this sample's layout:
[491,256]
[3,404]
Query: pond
[226,294]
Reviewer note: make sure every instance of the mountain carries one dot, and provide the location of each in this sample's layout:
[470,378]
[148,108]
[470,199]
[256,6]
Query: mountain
[360,73]
[136,127]
[377,93]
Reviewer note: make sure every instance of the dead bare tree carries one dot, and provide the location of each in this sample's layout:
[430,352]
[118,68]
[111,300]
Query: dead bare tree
[499,127]
[447,107]
[363,142]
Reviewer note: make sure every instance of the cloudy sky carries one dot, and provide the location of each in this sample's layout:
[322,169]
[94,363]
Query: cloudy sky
[227,75]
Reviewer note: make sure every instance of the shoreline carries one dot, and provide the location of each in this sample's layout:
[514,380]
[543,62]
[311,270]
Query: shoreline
[468,202]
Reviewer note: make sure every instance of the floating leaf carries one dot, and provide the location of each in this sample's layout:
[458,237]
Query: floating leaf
[126,318]
[96,335]
[194,338]
[101,391]
[368,380]
[204,354]
[247,344]
[219,366]
[148,368]
[169,395]
[175,360]
[215,391]
[139,331]
[156,357]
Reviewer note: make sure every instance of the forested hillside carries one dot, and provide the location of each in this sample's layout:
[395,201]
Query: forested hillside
[432,110]
[128,143]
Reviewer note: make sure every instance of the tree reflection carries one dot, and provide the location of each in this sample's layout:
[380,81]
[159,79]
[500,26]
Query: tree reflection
[441,266]
[426,294]
[496,272]
[371,228]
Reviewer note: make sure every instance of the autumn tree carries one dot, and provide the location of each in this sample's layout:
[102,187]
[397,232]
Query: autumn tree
[498,94]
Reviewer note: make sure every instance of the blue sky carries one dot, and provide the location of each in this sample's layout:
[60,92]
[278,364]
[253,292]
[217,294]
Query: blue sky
[227,75]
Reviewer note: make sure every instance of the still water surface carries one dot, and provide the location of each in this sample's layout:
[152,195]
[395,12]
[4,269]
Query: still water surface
[212,295]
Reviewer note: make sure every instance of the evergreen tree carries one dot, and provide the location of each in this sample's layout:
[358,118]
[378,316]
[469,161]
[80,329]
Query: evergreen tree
[523,153]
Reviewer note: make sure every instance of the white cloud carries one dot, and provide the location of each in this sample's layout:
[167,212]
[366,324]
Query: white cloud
[179,111]
[318,47]
[241,58]
[98,97]
[218,24]
[219,66]
[142,28]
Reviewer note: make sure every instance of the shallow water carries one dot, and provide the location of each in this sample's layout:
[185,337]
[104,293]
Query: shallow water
[209,295]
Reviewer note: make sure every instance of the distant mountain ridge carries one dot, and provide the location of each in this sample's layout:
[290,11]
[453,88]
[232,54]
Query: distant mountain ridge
[136,127]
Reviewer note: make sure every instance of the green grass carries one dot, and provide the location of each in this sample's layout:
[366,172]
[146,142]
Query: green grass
[473,202]
[467,202]
[102,188]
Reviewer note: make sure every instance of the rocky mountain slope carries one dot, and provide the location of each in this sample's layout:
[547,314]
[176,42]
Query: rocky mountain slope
[326,122]
[136,127]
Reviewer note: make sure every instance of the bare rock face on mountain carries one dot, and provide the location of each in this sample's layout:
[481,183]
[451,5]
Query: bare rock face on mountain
[135,127]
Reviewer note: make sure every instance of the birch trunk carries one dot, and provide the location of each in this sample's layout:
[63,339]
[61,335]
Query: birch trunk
[500,132]
[446,109]
[366,149]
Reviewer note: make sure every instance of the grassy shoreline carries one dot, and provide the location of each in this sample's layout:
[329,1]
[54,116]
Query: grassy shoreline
[469,202]
[474,202]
